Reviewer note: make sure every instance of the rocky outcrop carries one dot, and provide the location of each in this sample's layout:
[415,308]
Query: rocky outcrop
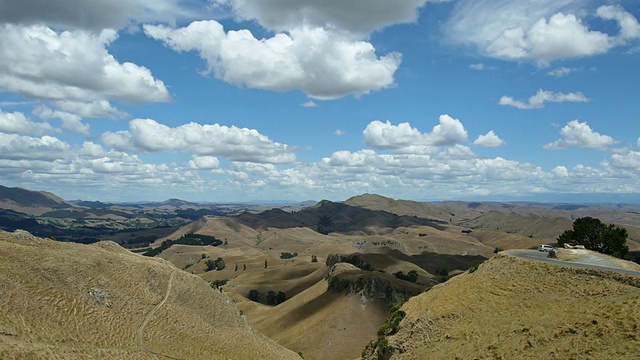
[351,280]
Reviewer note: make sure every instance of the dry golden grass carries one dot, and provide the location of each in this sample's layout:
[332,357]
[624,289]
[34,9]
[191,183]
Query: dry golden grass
[513,308]
[71,301]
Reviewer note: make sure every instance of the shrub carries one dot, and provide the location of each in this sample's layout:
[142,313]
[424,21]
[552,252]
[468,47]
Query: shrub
[552,254]
[473,268]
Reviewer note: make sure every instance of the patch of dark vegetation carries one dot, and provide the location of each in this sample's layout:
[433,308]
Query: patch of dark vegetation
[217,264]
[271,298]
[411,276]
[288,255]
[186,239]
[378,349]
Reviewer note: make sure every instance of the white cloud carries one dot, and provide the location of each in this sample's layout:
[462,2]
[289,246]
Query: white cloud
[561,72]
[322,64]
[238,144]
[17,123]
[309,104]
[92,14]
[406,139]
[204,163]
[38,62]
[16,147]
[537,101]
[479,66]
[489,140]
[629,26]
[356,16]
[541,31]
[339,132]
[93,109]
[562,36]
[638,142]
[577,134]
[71,122]
[560,171]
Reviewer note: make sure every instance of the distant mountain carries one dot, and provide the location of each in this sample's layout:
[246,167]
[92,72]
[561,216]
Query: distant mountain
[31,202]
[328,216]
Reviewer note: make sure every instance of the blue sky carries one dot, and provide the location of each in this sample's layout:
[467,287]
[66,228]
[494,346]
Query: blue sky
[237,100]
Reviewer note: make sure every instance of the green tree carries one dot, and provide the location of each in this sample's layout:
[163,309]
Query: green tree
[219,264]
[254,295]
[265,263]
[596,236]
[210,265]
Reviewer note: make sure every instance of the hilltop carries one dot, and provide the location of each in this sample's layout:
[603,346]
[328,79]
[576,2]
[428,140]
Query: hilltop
[72,301]
[535,311]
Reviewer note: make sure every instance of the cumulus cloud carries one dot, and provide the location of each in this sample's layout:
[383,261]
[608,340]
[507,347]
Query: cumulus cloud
[324,65]
[38,62]
[403,137]
[93,14]
[537,101]
[339,132]
[238,144]
[17,123]
[489,140]
[356,16]
[478,66]
[204,163]
[17,147]
[309,104]
[577,134]
[540,31]
[71,122]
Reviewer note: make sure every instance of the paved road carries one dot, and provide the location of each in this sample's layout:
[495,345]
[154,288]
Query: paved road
[600,263]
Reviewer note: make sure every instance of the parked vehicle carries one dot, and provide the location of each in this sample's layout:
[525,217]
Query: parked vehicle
[545,248]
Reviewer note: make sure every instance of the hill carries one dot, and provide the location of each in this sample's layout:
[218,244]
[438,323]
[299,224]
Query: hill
[72,301]
[30,202]
[536,311]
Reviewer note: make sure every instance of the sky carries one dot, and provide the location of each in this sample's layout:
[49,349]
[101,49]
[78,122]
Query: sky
[245,100]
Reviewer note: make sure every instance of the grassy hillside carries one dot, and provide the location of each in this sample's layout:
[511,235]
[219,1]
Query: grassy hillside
[535,311]
[64,300]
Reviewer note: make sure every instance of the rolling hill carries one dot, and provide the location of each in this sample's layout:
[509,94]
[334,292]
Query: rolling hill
[72,301]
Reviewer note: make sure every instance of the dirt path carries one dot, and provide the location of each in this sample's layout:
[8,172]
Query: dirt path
[149,316]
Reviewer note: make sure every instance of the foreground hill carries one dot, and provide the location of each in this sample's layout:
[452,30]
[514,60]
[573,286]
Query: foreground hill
[71,301]
[535,311]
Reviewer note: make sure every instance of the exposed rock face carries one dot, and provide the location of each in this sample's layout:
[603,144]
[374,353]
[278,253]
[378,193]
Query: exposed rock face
[349,279]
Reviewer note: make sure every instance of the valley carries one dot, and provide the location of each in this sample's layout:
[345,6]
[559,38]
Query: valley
[316,279]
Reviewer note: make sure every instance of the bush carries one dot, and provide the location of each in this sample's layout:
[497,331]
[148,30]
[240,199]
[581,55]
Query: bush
[288,255]
[553,254]
[473,268]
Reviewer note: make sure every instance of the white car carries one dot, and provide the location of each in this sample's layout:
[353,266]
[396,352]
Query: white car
[545,248]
